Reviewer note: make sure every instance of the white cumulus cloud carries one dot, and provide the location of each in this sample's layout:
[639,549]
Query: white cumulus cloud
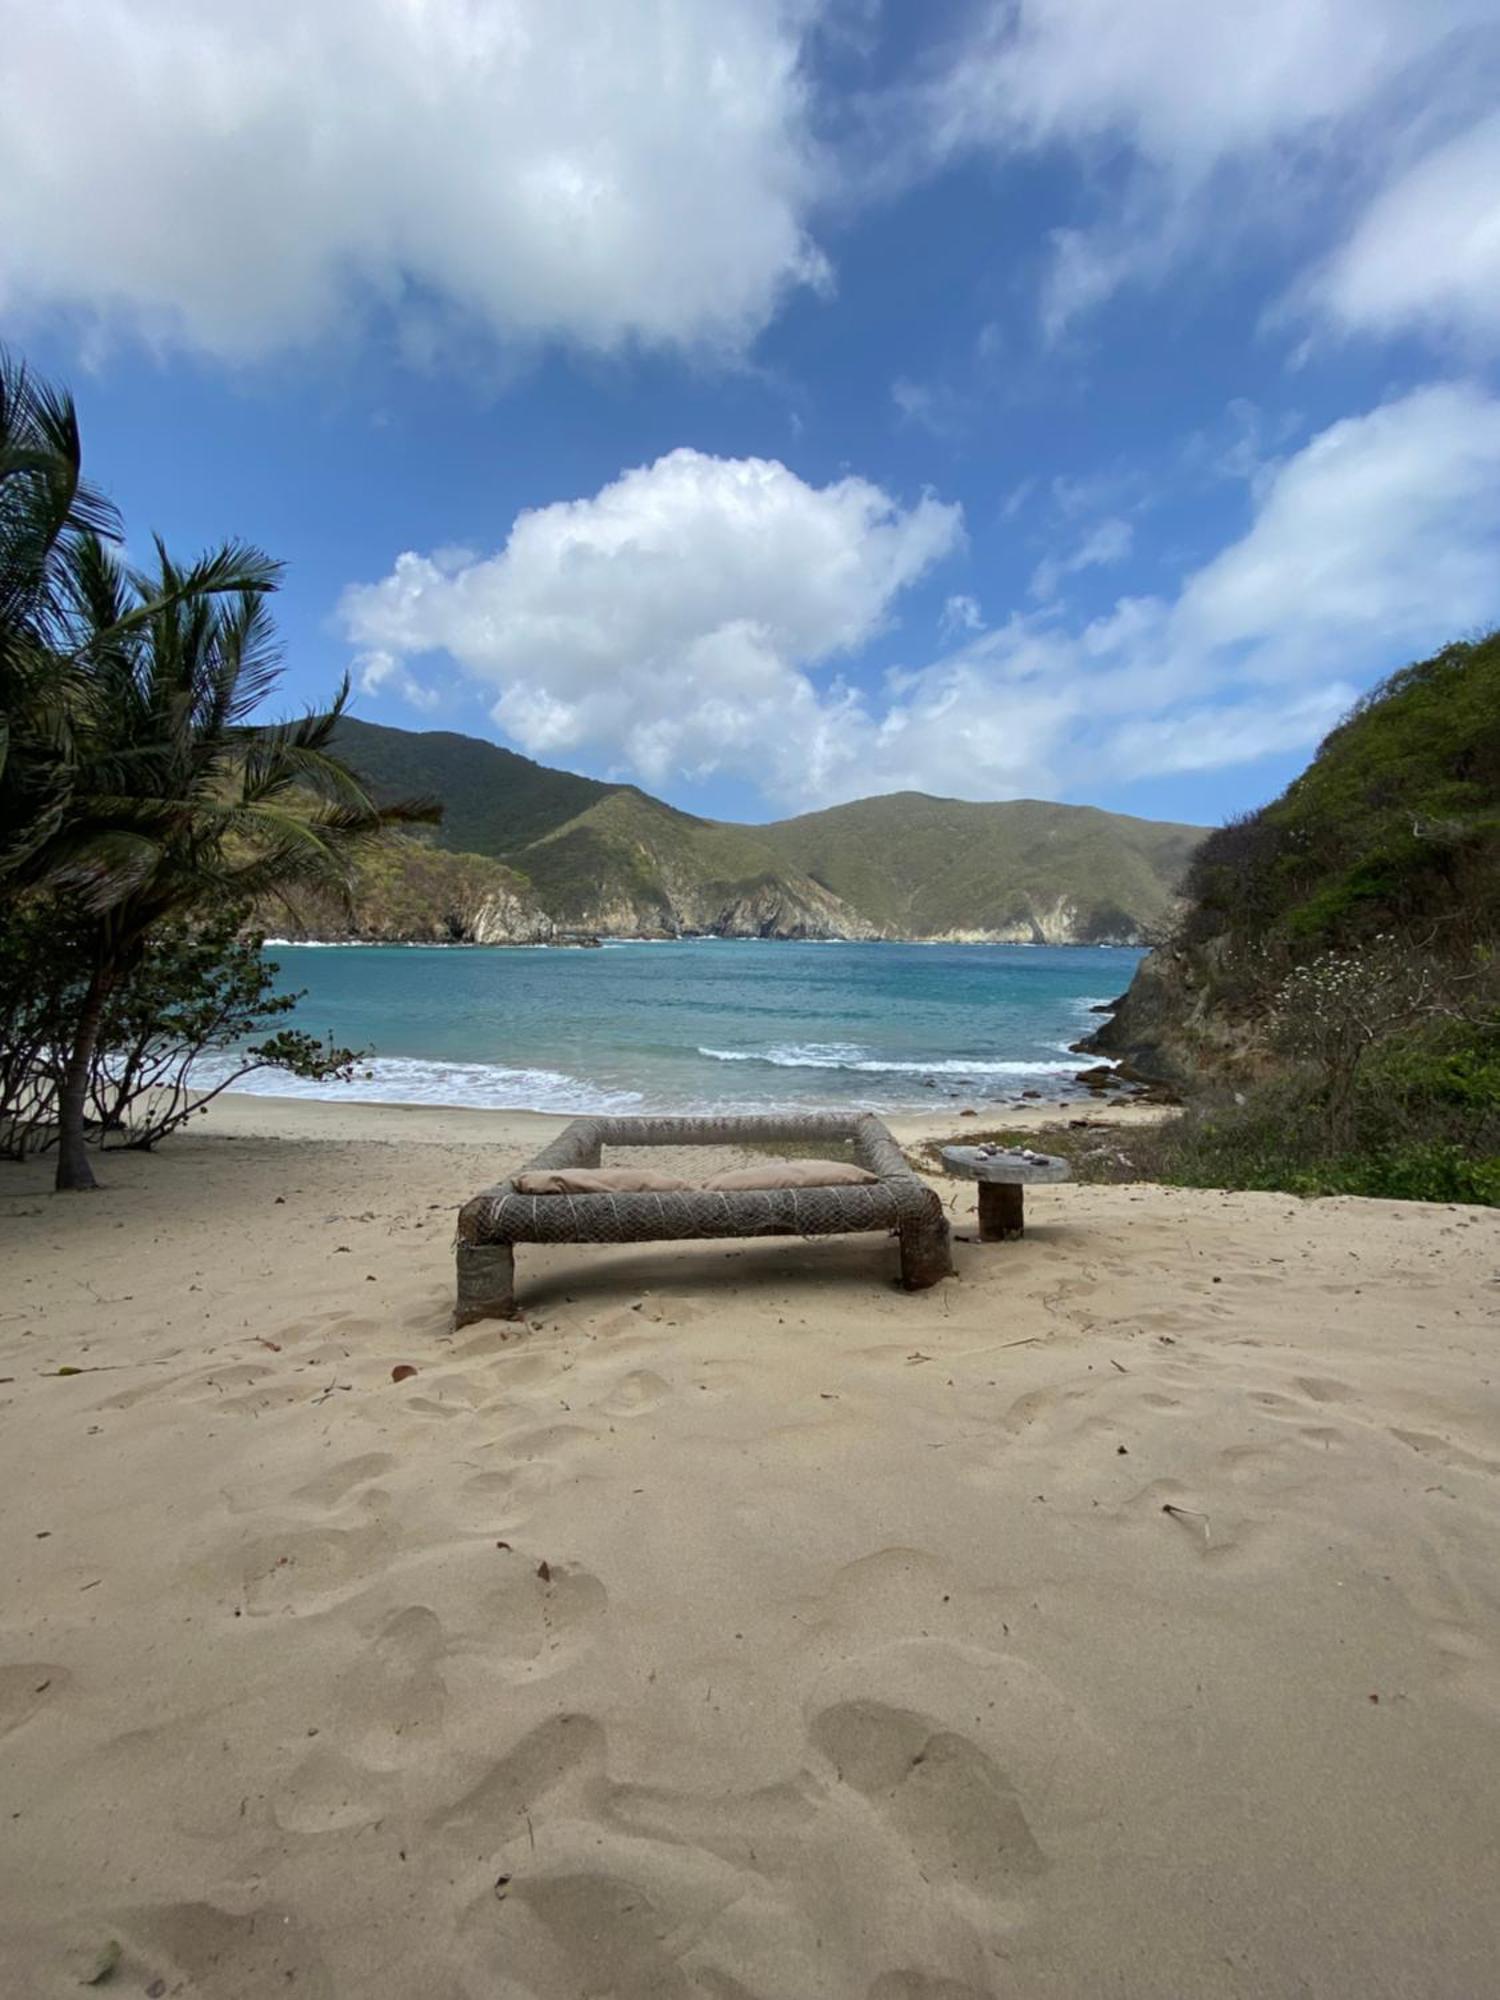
[671,623]
[239,178]
[676,623]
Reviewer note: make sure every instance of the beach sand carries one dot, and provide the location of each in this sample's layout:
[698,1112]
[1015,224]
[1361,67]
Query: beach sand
[1120,1618]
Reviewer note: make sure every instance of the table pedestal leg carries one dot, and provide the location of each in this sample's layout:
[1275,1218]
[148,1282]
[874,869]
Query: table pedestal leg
[1002,1211]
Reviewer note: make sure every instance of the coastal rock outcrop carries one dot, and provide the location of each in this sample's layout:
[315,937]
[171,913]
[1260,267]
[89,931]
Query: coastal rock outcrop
[1170,1026]
[510,916]
[772,908]
[1058,920]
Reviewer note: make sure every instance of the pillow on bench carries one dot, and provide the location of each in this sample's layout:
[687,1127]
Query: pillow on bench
[601,1180]
[792,1174]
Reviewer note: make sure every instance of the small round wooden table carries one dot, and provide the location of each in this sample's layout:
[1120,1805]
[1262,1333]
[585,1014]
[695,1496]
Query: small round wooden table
[1003,1176]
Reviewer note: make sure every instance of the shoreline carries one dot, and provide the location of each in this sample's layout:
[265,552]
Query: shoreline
[596,940]
[250,1114]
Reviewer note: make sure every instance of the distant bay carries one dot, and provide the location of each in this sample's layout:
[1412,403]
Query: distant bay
[700,1024]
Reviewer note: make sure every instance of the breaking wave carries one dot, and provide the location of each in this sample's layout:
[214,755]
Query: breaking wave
[849,1056]
[415,1080]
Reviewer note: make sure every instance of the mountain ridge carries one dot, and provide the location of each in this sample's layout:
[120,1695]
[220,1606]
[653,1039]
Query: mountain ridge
[527,853]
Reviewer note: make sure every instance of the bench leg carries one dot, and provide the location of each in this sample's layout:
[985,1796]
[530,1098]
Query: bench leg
[925,1253]
[486,1283]
[1002,1211]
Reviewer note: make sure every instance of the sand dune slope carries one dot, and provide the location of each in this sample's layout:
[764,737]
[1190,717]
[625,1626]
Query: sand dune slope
[1120,1618]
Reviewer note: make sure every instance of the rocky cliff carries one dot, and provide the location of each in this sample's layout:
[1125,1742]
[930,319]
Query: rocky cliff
[410,892]
[1170,1025]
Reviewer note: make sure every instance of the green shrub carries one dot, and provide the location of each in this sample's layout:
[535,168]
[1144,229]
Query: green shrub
[176,1032]
[1423,1124]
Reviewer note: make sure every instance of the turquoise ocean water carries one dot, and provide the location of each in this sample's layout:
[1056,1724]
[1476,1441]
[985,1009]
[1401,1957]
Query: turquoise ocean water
[700,1024]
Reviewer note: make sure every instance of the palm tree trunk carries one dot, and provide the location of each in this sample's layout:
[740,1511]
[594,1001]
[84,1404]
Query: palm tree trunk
[73,1169]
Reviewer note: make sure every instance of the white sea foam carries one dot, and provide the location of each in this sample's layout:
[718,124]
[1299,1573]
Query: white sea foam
[414,1080]
[838,1055]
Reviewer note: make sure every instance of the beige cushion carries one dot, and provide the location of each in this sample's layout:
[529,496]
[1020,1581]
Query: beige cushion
[792,1174]
[601,1180]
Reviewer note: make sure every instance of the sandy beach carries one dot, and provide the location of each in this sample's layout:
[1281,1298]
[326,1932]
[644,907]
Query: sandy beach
[1119,1618]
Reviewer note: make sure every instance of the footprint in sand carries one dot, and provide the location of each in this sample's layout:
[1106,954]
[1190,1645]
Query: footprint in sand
[301,1569]
[637,1392]
[533,1626]
[567,1752]
[341,1481]
[203,1948]
[1324,1389]
[512,1489]
[391,1709]
[552,1441]
[324,1794]
[433,1406]
[950,1803]
[395,1699]
[584,1933]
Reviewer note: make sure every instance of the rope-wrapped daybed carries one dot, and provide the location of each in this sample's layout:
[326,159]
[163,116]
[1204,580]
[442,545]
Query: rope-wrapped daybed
[892,1199]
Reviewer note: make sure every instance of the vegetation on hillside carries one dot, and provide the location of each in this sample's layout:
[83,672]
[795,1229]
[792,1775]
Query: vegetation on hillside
[1335,982]
[631,861]
[405,890]
[1395,826]
[139,800]
[494,801]
[923,866]
[611,857]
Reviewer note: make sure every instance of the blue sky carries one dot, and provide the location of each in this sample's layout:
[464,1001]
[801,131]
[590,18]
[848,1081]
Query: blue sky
[775,403]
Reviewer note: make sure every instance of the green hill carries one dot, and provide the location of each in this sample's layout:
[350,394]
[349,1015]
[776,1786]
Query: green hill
[594,856]
[407,890]
[632,863]
[493,800]
[924,867]
[1394,825]
[1391,836]
[1338,960]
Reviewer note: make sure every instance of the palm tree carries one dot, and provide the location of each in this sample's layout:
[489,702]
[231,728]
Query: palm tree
[176,800]
[46,510]
[51,522]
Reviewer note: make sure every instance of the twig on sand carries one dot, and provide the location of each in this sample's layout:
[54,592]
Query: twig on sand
[1187,1514]
[106,1367]
[323,1398]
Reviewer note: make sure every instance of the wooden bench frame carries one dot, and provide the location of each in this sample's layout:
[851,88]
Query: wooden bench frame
[492,1223]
